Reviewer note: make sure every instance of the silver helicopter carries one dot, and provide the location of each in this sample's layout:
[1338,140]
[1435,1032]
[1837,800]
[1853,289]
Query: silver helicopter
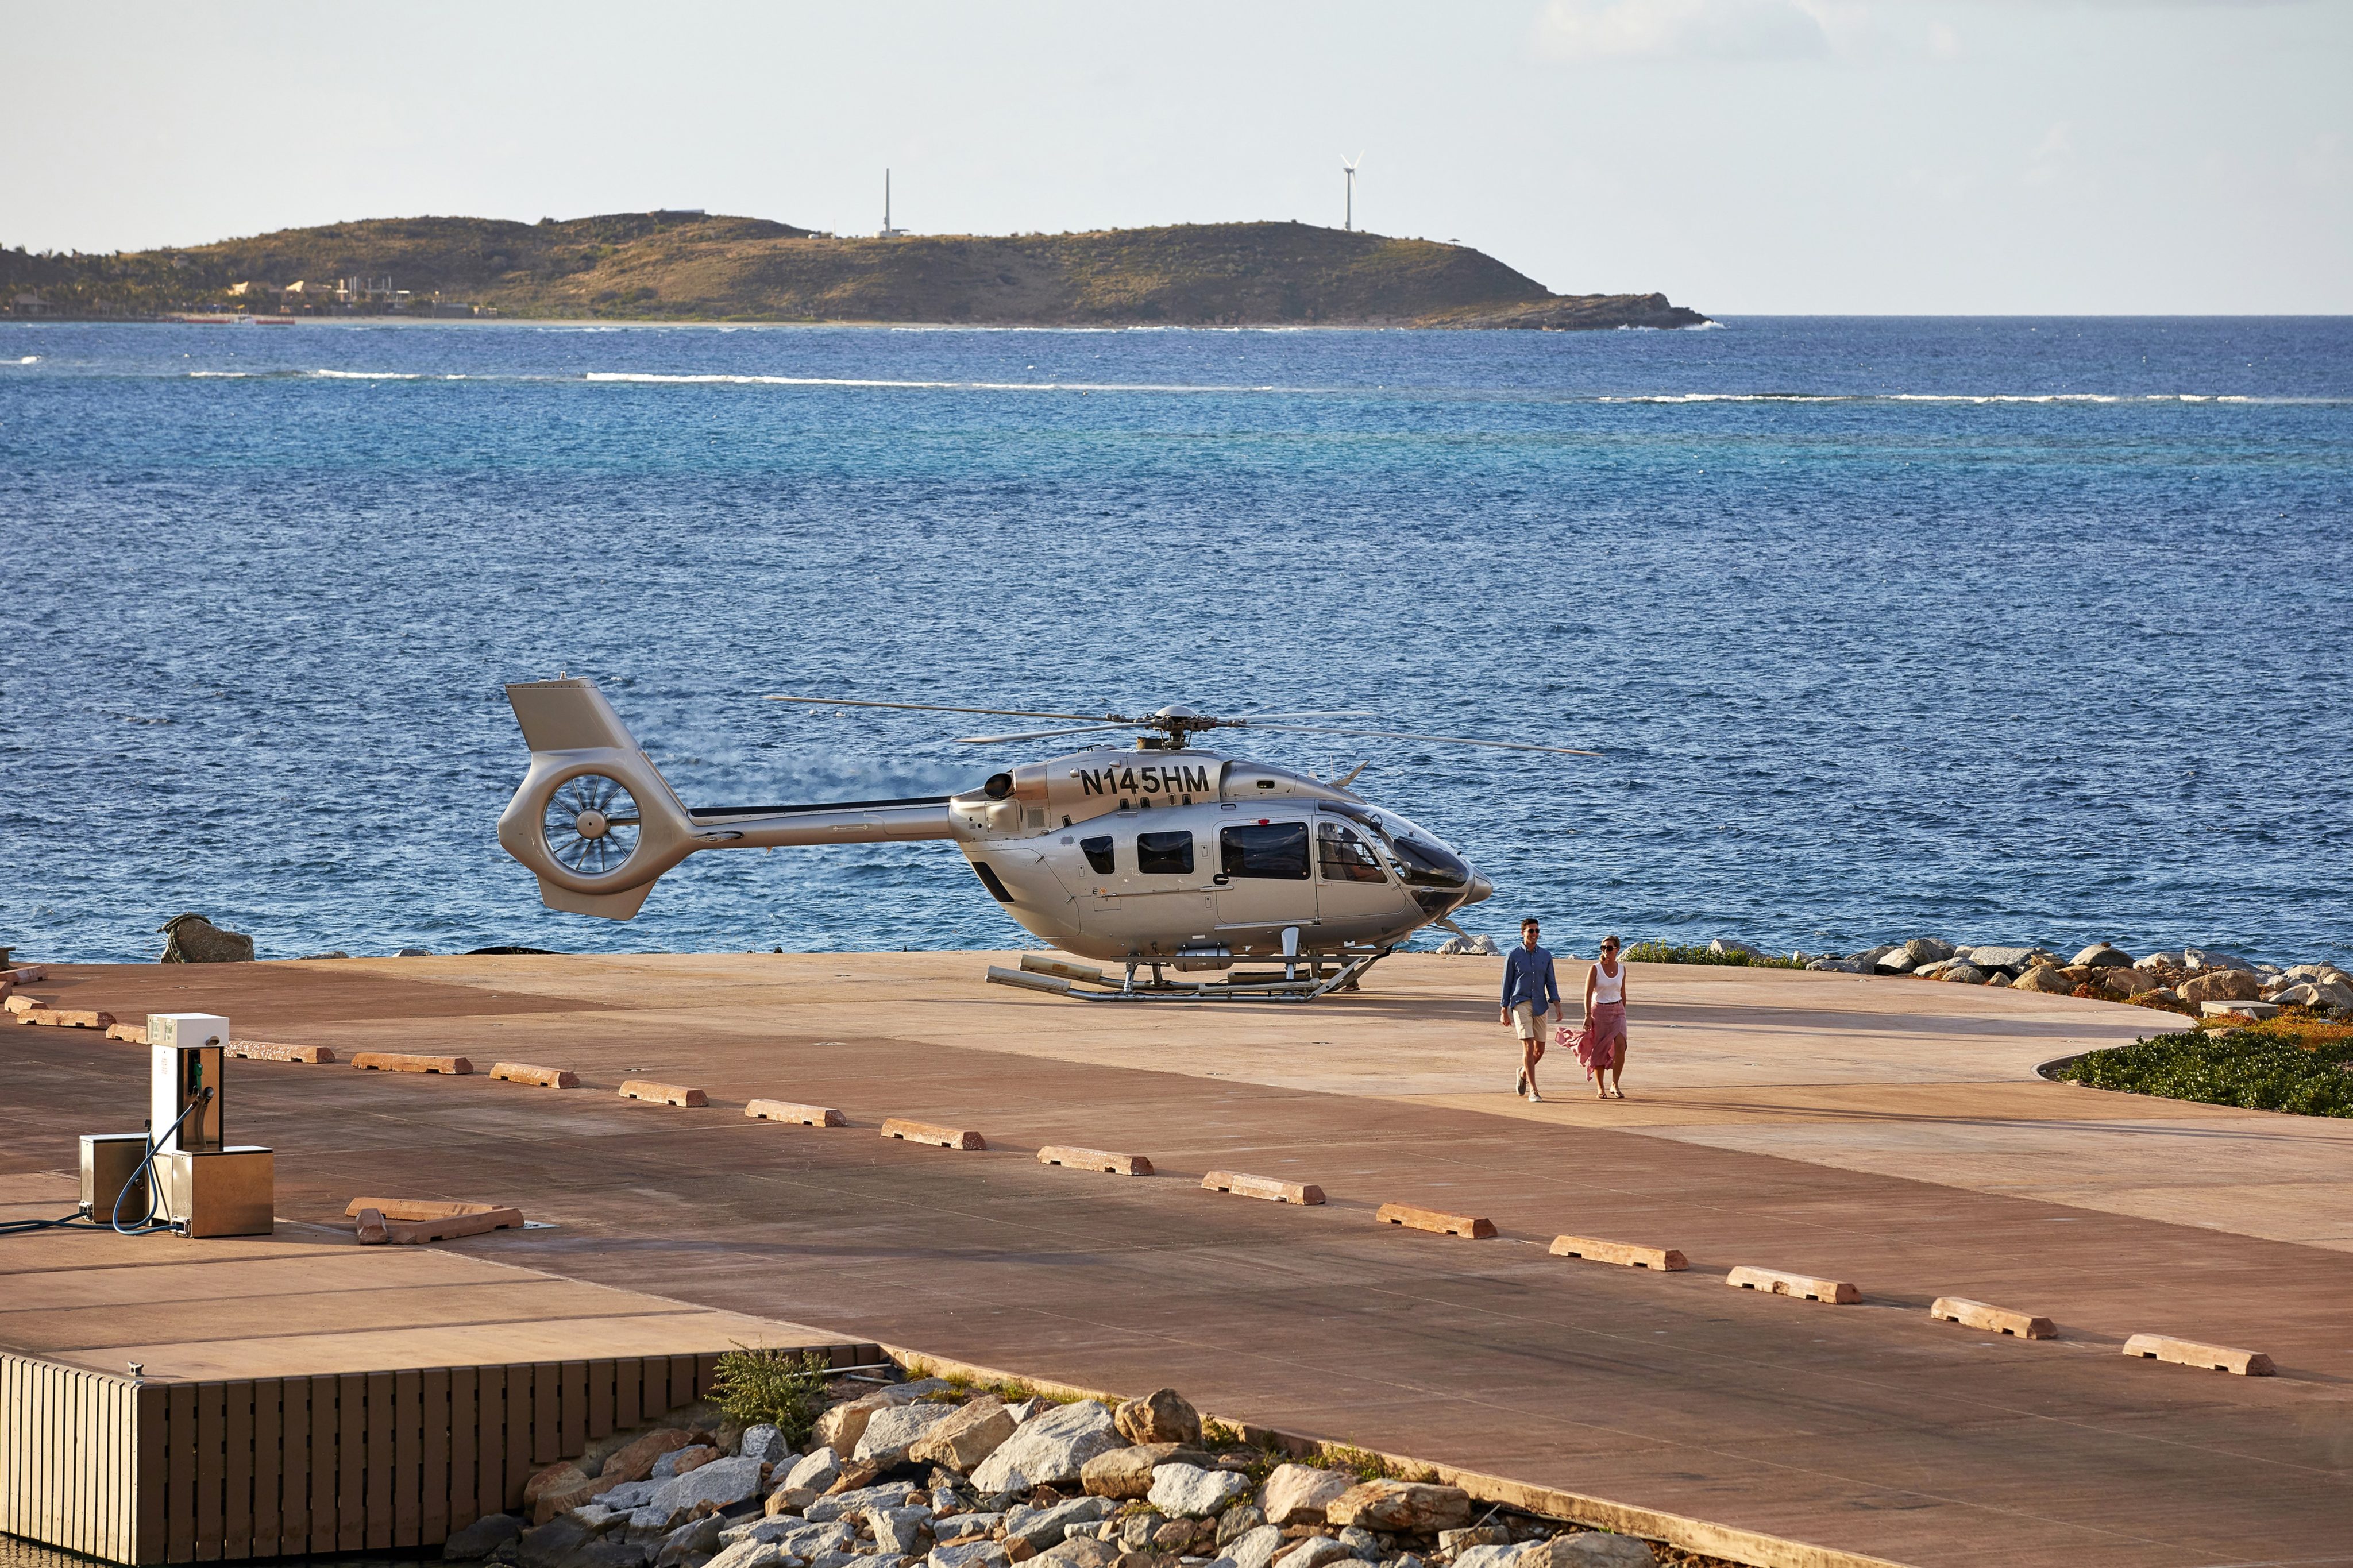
[1163,857]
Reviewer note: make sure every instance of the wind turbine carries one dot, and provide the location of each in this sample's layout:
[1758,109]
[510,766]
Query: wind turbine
[1348,167]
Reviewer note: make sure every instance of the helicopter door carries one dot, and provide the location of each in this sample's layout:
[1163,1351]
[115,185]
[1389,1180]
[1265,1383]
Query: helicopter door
[1263,875]
[1350,884]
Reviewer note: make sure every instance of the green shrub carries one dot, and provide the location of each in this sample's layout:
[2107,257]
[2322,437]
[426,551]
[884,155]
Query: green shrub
[781,1387]
[2266,1067]
[1668,952]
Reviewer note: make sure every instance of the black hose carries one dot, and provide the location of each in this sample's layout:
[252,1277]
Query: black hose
[20,1227]
[147,1171]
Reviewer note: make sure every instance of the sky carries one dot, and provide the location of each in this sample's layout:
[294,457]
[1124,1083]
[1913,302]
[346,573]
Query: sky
[1742,156]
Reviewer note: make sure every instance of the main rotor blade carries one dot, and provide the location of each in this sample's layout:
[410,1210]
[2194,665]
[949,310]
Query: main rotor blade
[1103,719]
[1328,713]
[1434,739]
[1034,735]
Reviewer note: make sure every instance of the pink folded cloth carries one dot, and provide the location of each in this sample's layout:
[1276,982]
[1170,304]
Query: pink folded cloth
[1601,1043]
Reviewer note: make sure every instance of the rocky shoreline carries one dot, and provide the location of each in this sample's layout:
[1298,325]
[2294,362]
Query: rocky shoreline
[940,1473]
[2188,980]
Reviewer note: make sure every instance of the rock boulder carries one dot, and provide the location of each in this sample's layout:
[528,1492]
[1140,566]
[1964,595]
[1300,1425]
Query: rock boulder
[678,1461]
[1256,1548]
[970,1434]
[841,1427]
[2047,979]
[816,1470]
[708,1489]
[2103,956]
[1961,972]
[762,1442]
[890,1433]
[635,1460]
[851,1504]
[2317,993]
[1048,1450]
[2222,985]
[1923,950]
[1189,1491]
[1502,1555]
[192,939]
[901,1531]
[1314,1553]
[1302,1494]
[1164,1416]
[481,1538]
[968,1555]
[1127,1472]
[694,1540]
[1416,1507]
[1587,1549]
[1038,1528]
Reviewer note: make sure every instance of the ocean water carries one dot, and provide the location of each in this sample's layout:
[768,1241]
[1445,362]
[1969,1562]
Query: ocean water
[2002,630]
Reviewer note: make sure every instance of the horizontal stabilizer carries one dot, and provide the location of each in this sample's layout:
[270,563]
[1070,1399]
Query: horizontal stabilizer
[621,906]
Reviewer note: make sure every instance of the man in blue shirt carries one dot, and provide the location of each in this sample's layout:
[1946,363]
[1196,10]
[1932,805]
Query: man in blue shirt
[1529,989]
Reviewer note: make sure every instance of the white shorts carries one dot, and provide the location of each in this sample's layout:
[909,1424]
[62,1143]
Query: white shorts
[1528,1021]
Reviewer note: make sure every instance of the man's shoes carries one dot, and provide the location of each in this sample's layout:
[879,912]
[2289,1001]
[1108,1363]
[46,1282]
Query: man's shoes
[1520,1084]
[1535,1099]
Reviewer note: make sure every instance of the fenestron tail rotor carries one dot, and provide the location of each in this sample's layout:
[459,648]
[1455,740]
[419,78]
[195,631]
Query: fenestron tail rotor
[591,824]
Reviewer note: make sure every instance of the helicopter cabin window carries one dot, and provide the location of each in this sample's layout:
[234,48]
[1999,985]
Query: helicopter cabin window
[1161,853]
[1276,851]
[1098,854]
[1344,856]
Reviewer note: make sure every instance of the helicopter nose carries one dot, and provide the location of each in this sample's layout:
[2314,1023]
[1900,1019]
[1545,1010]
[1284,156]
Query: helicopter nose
[1481,890]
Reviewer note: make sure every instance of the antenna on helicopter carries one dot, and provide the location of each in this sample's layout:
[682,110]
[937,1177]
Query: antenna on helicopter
[1175,724]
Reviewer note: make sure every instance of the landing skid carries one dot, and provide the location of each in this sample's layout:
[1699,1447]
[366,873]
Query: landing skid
[1059,979]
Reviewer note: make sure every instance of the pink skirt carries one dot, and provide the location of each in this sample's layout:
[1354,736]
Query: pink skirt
[1601,1043]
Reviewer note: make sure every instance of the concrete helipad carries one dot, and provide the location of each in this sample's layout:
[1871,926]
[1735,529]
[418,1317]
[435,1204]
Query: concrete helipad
[1888,1132]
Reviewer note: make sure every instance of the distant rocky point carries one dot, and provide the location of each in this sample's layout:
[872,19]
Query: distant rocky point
[682,266]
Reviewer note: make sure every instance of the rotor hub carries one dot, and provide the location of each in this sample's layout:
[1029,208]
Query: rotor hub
[590,823]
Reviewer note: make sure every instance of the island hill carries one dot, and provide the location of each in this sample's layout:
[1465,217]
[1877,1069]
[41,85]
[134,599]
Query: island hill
[671,266]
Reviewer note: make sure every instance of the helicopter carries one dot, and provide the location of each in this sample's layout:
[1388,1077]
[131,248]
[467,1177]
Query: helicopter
[1163,856]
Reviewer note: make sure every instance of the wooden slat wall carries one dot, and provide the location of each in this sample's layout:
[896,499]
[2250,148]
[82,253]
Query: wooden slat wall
[68,1458]
[202,1472]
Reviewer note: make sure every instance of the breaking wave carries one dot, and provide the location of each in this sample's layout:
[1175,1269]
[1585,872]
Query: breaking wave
[716,379]
[2095,397]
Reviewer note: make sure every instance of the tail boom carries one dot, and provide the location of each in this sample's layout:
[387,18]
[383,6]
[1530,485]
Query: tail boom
[575,737]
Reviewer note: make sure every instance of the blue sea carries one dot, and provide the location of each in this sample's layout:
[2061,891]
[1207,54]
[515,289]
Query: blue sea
[2015,630]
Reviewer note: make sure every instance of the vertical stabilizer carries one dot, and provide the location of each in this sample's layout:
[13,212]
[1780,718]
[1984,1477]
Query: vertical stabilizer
[567,716]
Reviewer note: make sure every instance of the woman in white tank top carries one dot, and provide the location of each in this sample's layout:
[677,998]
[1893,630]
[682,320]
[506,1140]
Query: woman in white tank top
[1601,1043]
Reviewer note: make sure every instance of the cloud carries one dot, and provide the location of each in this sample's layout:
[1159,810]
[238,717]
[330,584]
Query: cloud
[1588,30]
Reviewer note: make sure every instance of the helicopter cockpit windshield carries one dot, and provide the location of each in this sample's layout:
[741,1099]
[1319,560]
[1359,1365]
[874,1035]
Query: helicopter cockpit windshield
[1435,874]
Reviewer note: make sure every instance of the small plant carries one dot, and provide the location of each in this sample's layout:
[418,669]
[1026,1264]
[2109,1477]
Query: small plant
[784,1389]
[2297,1064]
[1369,1466]
[1668,952]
